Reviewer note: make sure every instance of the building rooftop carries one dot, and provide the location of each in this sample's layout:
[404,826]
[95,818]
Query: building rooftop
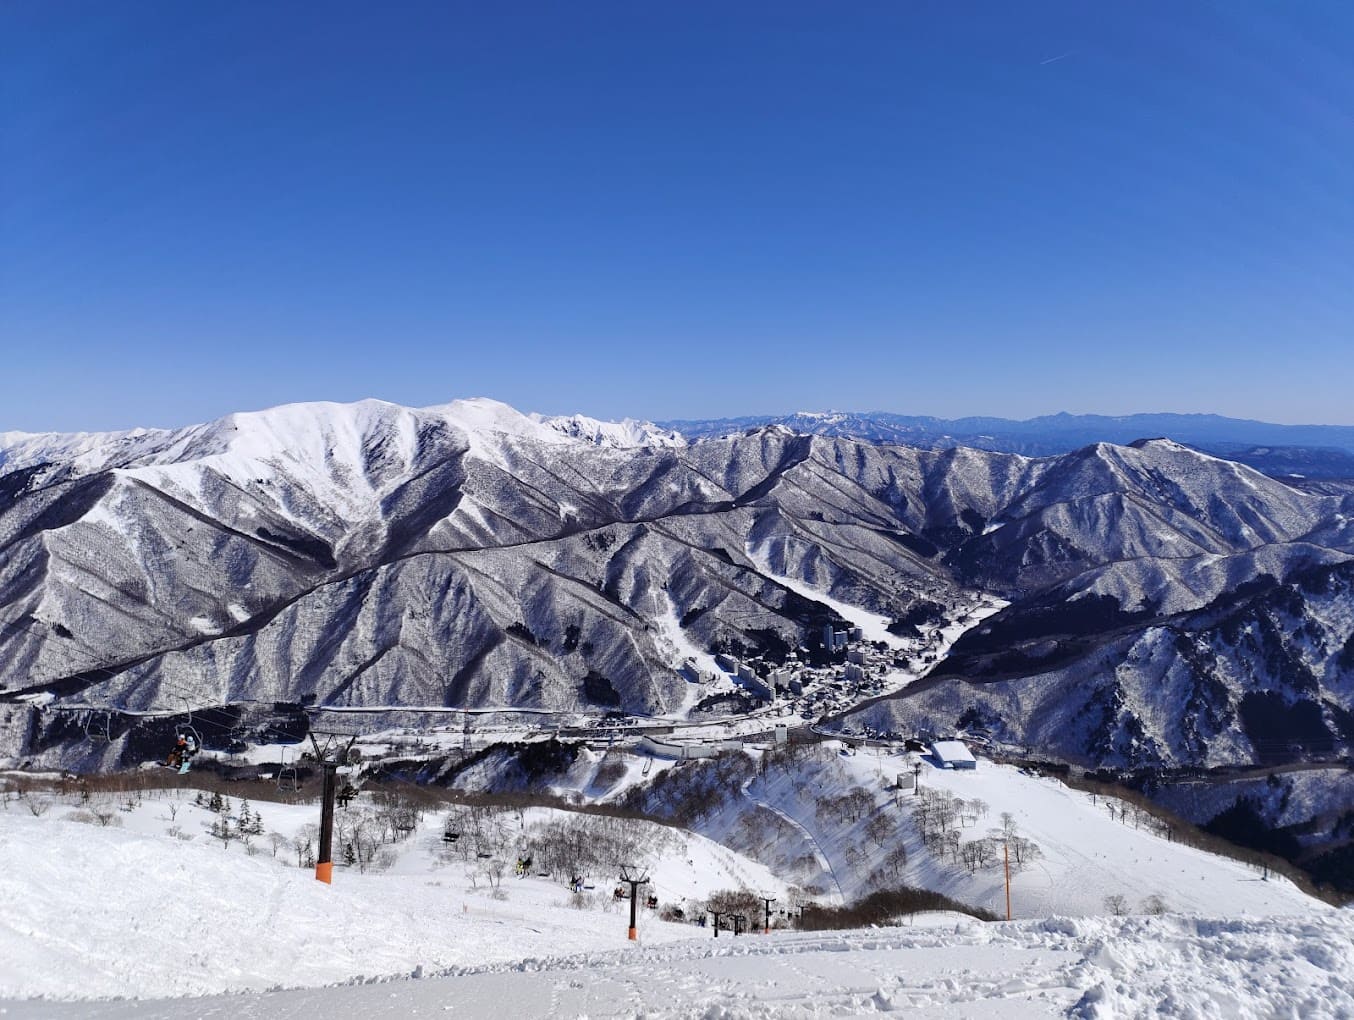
[951,750]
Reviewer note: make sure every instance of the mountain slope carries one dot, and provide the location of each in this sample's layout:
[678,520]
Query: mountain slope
[471,556]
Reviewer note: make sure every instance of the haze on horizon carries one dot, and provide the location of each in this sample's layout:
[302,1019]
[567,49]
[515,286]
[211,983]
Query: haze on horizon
[675,212]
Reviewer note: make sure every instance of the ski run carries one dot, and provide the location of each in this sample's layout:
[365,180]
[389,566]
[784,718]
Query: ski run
[124,904]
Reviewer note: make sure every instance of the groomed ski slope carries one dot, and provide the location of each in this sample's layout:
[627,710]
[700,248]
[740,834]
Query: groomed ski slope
[140,911]
[1085,853]
[1088,854]
[1092,968]
[153,909]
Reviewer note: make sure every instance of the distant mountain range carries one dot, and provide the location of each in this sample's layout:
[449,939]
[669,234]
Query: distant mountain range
[1306,451]
[1168,608]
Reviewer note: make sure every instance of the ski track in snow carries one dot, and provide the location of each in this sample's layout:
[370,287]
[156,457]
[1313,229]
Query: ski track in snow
[819,855]
[1091,968]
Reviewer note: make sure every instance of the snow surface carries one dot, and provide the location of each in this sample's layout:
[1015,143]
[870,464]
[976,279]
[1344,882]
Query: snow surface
[1103,968]
[152,905]
[151,908]
[1089,854]
[625,433]
[1088,849]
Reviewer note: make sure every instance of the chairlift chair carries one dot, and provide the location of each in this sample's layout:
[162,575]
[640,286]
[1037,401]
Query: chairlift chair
[190,737]
[288,781]
[99,732]
[188,731]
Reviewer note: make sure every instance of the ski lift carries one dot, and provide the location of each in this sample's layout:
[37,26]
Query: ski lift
[99,727]
[288,781]
[188,731]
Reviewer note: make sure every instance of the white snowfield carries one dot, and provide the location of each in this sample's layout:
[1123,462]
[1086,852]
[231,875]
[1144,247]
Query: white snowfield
[127,920]
[1108,968]
[1087,853]
[160,908]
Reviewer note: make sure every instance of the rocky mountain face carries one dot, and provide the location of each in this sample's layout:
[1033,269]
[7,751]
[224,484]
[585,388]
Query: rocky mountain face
[1167,607]
[462,556]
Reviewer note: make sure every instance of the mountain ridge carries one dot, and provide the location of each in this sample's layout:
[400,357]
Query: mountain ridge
[467,555]
[1317,451]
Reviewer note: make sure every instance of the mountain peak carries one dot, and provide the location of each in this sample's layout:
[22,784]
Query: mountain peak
[625,433]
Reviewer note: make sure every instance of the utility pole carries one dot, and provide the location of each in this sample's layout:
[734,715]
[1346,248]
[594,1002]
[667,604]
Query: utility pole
[916,778]
[768,900]
[634,878]
[324,860]
[1006,855]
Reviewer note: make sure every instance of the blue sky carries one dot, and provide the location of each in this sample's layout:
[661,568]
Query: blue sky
[676,210]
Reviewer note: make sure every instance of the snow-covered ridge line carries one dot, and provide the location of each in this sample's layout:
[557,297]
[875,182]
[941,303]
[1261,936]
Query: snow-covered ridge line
[92,451]
[625,433]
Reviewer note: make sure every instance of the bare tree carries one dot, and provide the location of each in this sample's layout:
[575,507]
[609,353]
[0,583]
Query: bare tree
[951,844]
[304,844]
[971,854]
[1117,904]
[895,860]
[223,830]
[1154,905]
[1023,850]
[37,804]
[880,828]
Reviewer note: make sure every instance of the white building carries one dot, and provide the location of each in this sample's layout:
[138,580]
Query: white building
[952,754]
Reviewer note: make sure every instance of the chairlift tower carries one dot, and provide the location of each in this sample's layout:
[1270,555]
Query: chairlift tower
[634,878]
[329,758]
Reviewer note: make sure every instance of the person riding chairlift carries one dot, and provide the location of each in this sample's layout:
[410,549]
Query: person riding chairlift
[184,747]
[175,758]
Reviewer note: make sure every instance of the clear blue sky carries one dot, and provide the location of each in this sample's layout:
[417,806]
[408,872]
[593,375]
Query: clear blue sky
[669,210]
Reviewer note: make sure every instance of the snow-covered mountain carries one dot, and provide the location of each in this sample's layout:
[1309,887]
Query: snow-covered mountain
[1299,451]
[1167,607]
[611,433]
